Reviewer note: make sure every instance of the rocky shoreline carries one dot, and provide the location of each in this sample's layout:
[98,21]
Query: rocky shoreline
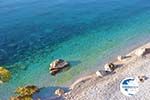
[105,86]
[101,85]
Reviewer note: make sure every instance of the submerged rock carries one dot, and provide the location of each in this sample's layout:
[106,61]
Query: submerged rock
[109,67]
[21,98]
[27,91]
[57,66]
[5,75]
[59,92]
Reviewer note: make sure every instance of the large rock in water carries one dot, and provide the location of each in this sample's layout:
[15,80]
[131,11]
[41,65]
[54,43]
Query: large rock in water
[5,75]
[57,65]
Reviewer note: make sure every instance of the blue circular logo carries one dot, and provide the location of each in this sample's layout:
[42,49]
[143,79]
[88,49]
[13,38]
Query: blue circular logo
[129,86]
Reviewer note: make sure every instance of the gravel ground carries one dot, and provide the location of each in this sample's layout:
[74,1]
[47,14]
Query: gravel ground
[108,87]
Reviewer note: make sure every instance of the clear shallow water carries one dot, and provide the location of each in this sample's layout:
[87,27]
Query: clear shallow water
[34,32]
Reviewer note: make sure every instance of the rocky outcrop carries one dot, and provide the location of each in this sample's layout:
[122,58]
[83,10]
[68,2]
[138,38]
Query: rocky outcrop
[5,75]
[59,92]
[57,65]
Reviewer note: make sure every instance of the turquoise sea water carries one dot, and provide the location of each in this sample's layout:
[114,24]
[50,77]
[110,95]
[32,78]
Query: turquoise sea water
[33,33]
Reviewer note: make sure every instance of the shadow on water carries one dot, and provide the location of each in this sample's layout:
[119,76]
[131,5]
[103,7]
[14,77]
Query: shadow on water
[48,93]
[74,63]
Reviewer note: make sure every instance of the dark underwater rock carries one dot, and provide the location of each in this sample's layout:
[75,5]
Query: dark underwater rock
[27,91]
[21,98]
[5,75]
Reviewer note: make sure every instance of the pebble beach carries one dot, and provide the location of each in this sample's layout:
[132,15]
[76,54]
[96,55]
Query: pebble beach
[86,34]
[107,87]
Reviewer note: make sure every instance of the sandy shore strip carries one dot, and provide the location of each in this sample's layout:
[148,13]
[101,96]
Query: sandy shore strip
[92,87]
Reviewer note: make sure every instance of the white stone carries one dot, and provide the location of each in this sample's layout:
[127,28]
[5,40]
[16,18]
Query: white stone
[59,92]
[141,78]
[107,68]
[140,52]
[99,74]
[120,58]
